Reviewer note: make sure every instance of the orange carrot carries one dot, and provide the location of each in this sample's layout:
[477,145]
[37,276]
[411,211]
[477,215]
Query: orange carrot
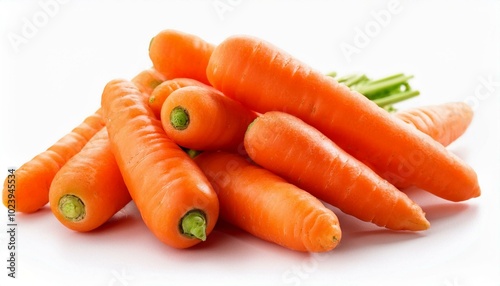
[443,122]
[89,188]
[202,118]
[34,177]
[175,199]
[147,80]
[162,91]
[299,153]
[265,205]
[177,54]
[264,78]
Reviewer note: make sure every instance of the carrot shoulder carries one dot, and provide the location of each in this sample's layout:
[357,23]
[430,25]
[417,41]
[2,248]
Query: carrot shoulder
[175,199]
[265,205]
[265,78]
[89,188]
[163,91]
[202,118]
[299,153]
[177,54]
[443,122]
[34,177]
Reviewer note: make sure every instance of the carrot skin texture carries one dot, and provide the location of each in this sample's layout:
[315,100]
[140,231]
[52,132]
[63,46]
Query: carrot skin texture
[443,122]
[216,122]
[265,205]
[93,176]
[265,78]
[299,153]
[162,91]
[163,181]
[177,54]
[34,177]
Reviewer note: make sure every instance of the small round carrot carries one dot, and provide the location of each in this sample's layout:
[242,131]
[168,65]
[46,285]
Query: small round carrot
[202,118]
[175,199]
[162,91]
[265,78]
[299,153]
[265,205]
[177,54]
[89,188]
[34,177]
[147,80]
[443,122]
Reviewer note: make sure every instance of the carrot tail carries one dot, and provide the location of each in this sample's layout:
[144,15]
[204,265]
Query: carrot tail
[34,177]
[302,155]
[265,205]
[444,123]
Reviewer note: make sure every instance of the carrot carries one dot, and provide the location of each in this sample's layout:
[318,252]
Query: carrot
[162,91]
[147,80]
[34,177]
[264,78]
[175,199]
[177,54]
[443,122]
[294,150]
[202,118]
[89,188]
[265,205]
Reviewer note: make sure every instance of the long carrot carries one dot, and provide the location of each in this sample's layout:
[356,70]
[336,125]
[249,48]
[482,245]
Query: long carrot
[34,177]
[177,54]
[162,91]
[202,118]
[265,205]
[89,188]
[443,122]
[299,153]
[263,77]
[175,199]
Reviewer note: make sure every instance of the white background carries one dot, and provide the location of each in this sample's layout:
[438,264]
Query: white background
[52,78]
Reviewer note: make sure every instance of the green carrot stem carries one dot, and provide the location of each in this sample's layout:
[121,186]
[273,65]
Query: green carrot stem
[390,77]
[193,153]
[179,118]
[394,98]
[71,207]
[194,224]
[356,80]
[332,74]
[373,88]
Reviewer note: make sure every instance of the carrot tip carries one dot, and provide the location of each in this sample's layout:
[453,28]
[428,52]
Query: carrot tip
[179,118]
[194,224]
[72,208]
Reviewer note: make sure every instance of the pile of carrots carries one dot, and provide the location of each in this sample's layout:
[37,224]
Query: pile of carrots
[244,132]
